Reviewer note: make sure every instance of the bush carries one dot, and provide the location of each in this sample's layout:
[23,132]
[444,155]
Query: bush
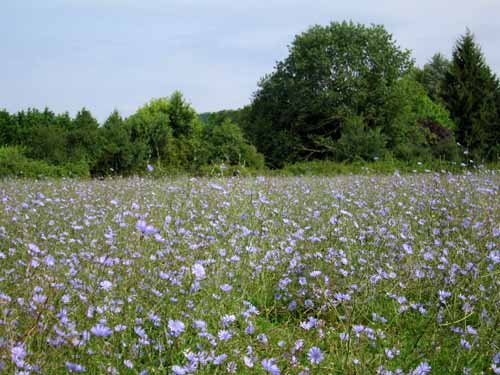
[225,143]
[410,135]
[383,166]
[13,163]
[358,142]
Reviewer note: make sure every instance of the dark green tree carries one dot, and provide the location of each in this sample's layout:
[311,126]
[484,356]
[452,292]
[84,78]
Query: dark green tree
[409,135]
[117,154]
[171,131]
[48,142]
[83,141]
[150,125]
[470,93]
[182,116]
[29,120]
[8,128]
[225,143]
[330,74]
[432,76]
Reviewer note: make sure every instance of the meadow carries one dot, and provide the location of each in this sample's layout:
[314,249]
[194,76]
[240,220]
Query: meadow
[394,274]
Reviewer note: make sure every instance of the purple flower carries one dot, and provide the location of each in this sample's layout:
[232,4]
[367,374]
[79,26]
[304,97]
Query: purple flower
[101,330]
[18,353]
[145,228]
[298,345]
[494,256]
[224,335]
[105,285]
[262,338]
[75,367]
[220,359]
[34,248]
[443,295]
[344,336]
[120,328]
[407,248]
[200,324]
[422,369]
[465,344]
[140,332]
[150,168]
[50,260]
[39,299]
[226,288]
[270,366]
[250,329]
[248,361]
[176,327]
[391,353]
[341,297]
[315,355]
[178,370]
[227,320]
[198,271]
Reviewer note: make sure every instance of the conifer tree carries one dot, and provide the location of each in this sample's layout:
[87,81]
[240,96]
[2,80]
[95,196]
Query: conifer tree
[470,94]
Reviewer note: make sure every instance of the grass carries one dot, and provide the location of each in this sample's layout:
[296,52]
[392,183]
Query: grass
[381,273]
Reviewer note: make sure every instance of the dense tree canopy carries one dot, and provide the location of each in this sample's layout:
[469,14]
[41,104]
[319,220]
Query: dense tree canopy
[333,74]
[345,91]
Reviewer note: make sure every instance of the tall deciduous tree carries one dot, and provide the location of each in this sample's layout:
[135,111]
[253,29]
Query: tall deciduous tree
[330,74]
[432,76]
[150,125]
[470,93]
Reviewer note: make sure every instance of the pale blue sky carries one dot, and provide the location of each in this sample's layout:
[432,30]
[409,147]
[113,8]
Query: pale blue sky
[118,54]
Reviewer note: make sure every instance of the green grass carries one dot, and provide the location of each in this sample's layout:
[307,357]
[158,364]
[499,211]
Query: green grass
[388,243]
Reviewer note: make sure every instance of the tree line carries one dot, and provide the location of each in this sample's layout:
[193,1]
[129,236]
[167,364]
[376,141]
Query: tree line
[348,92]
[165,134]
[345,92]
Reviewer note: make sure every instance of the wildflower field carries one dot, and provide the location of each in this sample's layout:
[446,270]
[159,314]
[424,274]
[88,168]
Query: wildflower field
[267,275]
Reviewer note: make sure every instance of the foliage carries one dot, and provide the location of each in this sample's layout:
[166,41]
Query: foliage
[8,128]
[51,144]
[470,93]
[236,116]
[151,131]
[83,141]
[345,92]
[357,142]
[331,73]
[226,144]
[117,153]
[432,76]
[14,163]
[410,106]
[383,166]
[168,130]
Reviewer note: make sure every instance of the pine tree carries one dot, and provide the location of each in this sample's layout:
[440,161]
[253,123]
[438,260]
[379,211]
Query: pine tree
[470,95]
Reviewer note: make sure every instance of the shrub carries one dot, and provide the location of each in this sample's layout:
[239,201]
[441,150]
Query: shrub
[13,163]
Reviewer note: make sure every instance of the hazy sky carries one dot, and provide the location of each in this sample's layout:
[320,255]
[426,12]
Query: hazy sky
[118,54]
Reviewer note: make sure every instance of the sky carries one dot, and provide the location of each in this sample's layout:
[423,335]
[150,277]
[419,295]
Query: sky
[119,54]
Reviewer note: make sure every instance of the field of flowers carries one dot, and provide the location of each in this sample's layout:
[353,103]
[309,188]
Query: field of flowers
[345,275]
